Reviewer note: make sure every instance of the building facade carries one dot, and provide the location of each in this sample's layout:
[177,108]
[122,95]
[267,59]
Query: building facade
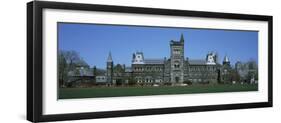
[177,69]
[248,71]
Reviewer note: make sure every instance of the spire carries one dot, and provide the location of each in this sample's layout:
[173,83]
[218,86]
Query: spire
[226,59]
[109,58]
[182,39]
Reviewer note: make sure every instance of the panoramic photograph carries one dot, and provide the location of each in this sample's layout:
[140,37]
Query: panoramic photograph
[102,60]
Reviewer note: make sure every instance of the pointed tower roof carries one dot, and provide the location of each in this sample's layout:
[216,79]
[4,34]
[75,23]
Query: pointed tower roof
[109,58]
[226,59]
[182,39]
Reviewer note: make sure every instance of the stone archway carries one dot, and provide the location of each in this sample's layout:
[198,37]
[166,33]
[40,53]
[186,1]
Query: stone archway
[177,79]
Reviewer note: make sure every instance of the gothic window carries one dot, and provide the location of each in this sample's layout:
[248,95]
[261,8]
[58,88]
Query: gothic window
[177,66]
[176,51]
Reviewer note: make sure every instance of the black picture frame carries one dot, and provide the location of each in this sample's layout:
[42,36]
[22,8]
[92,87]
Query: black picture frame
[34,60]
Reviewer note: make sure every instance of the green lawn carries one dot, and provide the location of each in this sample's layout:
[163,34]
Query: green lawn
[69,93]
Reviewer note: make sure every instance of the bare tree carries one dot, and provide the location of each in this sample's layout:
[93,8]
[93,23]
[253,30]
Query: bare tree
[62,69]
[68,61]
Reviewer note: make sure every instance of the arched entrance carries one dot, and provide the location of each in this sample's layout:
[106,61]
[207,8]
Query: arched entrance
[177,79]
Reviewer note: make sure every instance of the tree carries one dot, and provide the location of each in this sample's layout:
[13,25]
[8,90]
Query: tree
[132,81]
[62,69]
[68,62]
[235,75]
[94,74]
[72,58]
[219,75]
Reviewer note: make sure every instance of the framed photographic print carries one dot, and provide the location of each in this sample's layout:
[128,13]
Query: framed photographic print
[96,61]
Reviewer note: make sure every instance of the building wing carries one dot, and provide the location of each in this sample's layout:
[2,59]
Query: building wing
[197,62]
[154,61]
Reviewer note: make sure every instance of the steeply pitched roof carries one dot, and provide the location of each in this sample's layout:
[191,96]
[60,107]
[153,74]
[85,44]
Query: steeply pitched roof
[109,58]
[154,61]
[226,59]
[81,72]
[197,62]
[182,39]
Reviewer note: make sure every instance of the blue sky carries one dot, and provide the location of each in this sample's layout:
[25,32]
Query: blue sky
[94,42]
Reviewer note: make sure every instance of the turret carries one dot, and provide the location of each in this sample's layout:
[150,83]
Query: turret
[109,68]
[226,61]
[109,58]
[182,39]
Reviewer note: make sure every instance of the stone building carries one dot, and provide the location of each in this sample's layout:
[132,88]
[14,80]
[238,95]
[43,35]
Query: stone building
[247,71]
[175,70]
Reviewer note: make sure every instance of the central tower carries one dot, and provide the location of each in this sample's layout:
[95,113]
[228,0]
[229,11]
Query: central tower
[177,61]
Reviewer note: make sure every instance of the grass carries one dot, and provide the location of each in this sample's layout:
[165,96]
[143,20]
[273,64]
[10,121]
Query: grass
[94,92]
